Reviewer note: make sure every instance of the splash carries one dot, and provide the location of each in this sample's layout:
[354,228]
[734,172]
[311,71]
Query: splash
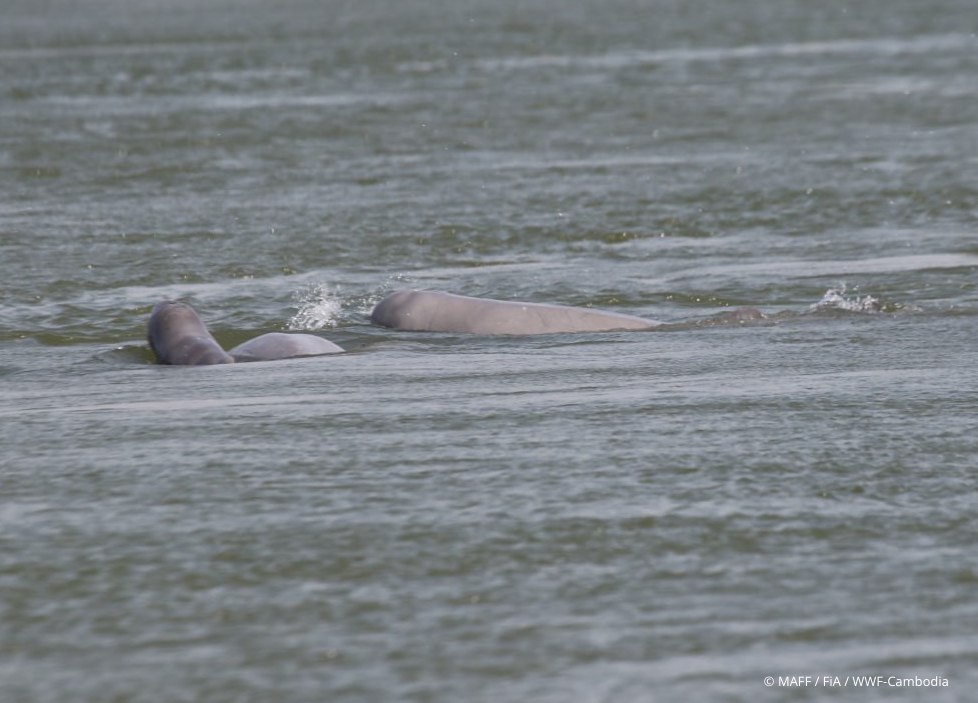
[841,298]
[316,308]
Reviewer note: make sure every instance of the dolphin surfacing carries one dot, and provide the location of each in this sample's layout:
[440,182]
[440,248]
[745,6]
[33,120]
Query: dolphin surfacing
[437,311]
[279,345]
[178,336]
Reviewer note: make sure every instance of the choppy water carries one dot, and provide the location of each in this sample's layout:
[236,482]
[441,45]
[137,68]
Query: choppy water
[660,516]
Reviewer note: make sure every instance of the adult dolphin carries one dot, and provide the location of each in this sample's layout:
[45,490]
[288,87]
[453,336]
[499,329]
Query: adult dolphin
[437,311]
[178,336]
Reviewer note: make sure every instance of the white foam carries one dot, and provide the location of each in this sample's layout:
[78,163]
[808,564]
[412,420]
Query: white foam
[316,308]
[839,298]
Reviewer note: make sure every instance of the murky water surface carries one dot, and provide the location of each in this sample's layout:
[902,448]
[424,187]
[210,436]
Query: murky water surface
[646,516]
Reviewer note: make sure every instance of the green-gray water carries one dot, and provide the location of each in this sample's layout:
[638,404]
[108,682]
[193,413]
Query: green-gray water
[623,517]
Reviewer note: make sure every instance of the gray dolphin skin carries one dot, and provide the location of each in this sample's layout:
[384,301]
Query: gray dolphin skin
[279,345]
[178,336]
[437,311]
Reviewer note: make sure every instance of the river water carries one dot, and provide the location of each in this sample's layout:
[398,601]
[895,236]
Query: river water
[635,516]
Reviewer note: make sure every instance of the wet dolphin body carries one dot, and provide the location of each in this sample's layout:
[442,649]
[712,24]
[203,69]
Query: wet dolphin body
[436,311]
[279,345]
[178,336]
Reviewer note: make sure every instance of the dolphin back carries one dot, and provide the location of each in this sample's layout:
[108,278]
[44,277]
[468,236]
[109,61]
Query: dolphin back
[279,345]
[437,311]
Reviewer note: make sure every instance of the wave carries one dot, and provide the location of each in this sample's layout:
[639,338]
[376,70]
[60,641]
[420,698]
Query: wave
[884,46]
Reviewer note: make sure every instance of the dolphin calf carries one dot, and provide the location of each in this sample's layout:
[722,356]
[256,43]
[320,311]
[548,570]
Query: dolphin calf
[178,336]
[436,311]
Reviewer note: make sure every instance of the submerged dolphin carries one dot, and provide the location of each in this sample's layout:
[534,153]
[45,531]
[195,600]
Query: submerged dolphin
[436,311]
[178,336]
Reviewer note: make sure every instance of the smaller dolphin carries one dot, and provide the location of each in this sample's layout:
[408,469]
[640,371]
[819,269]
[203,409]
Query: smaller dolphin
[437,311]
[178,336]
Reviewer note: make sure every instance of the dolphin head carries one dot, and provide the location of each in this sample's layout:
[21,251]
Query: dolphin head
[178,336]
